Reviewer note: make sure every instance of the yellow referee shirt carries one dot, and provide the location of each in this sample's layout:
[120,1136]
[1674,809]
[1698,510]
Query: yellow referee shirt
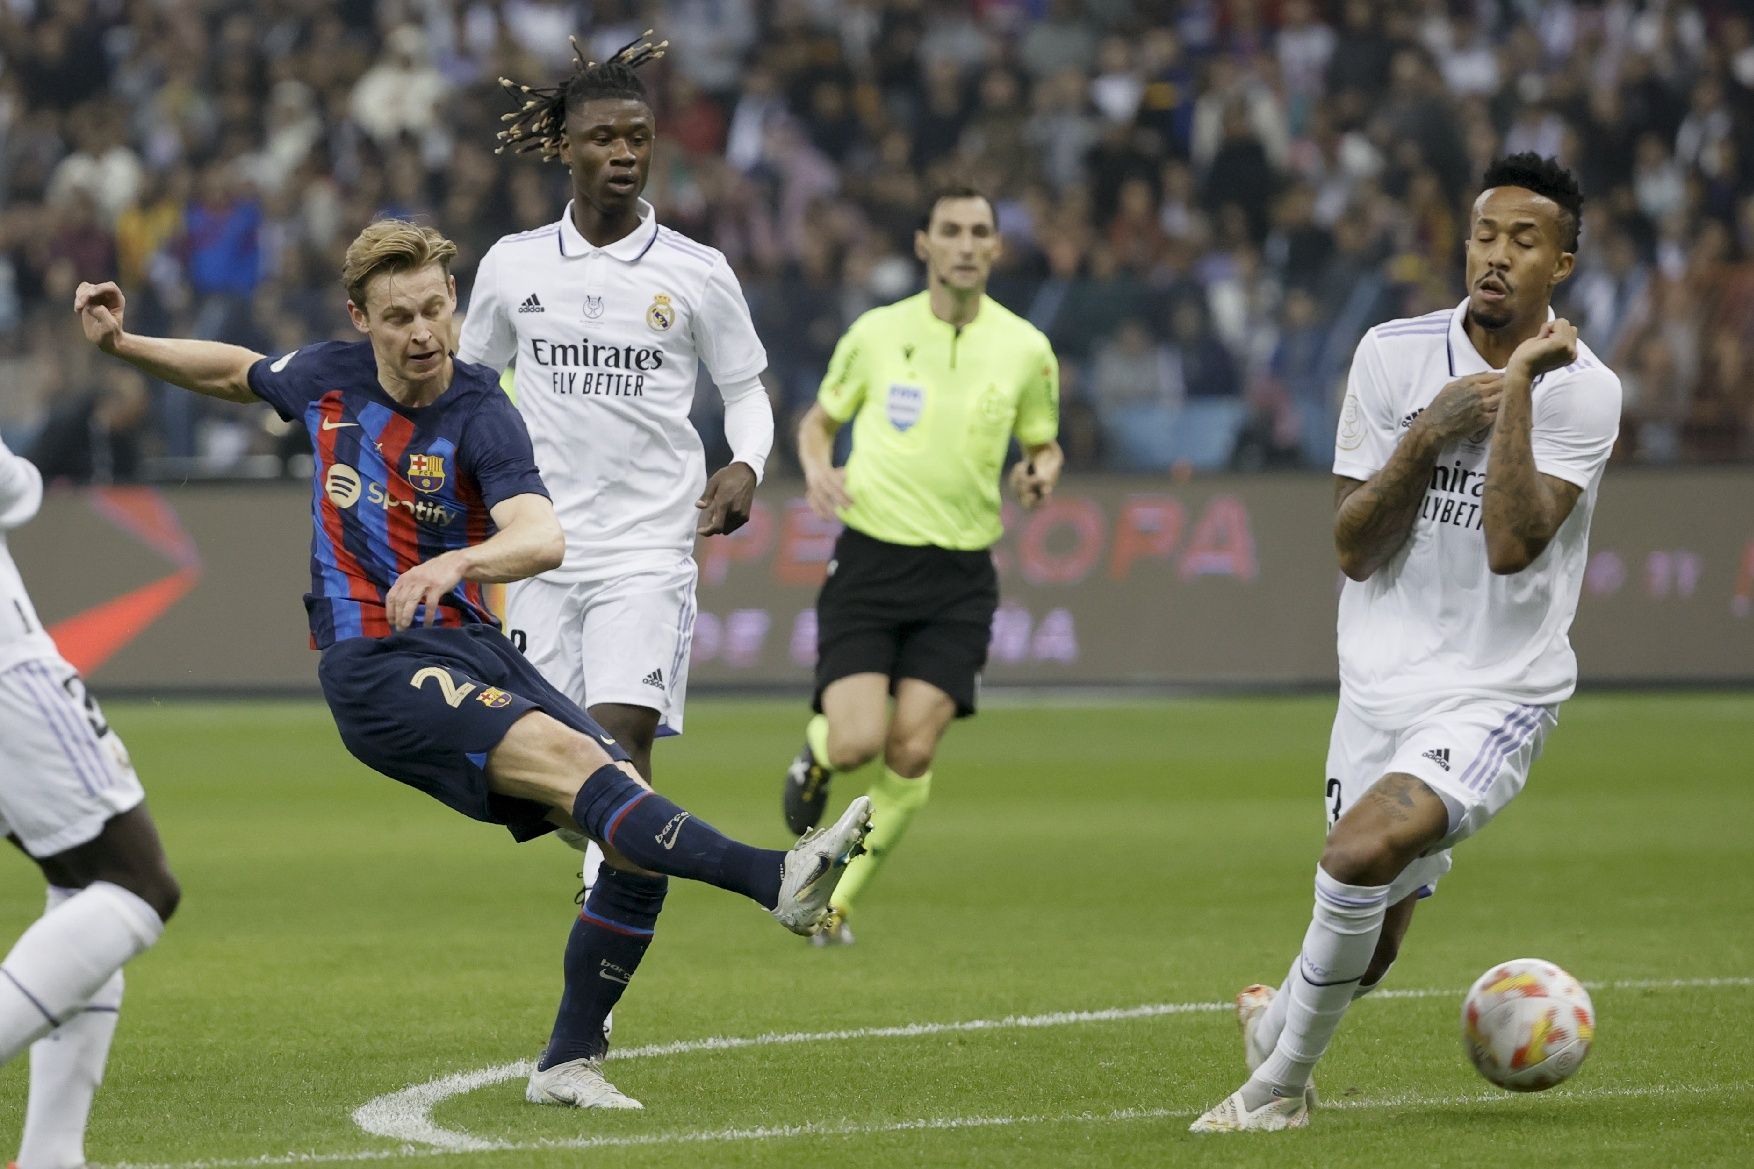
[933,409]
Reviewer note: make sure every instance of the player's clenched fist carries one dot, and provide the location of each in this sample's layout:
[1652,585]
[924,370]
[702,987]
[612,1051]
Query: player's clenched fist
[100,313]
[1465,406]
[1554,347]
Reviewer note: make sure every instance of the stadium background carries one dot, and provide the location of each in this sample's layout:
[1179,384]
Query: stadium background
[1204,203]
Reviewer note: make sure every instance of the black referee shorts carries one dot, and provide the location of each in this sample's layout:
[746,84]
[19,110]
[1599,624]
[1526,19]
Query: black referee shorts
[906,612]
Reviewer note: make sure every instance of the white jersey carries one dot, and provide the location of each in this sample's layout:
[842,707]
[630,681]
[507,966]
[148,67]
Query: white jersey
[608,343]
[1435,623]
[21,634]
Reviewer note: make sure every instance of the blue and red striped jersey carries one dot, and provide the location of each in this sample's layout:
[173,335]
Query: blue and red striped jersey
[394,485]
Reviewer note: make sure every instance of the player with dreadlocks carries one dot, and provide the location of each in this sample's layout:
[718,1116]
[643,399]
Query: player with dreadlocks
[607,316]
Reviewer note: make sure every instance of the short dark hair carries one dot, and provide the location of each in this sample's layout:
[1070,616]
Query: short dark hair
[956,191]
[1543,176]
[539,122]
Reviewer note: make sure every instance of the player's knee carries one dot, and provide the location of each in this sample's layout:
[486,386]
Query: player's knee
[1361,859]
[853,748]
[910,753]
[156,886]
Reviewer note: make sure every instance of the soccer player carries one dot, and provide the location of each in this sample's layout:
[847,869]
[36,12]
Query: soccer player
[608,316]
[69,799]
[1470,447]
[935,386]
[424,490]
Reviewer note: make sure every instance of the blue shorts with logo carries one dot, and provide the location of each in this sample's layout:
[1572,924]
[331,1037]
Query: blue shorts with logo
[425,706]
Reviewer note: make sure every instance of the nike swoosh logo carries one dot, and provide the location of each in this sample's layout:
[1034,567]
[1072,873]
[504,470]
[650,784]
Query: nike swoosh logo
[607,741]
[328,425]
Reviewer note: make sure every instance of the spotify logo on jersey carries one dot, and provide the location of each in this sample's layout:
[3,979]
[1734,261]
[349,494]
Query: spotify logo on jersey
[341,484]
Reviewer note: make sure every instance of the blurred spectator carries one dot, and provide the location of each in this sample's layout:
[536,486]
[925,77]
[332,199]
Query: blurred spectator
[94,436]
[1205,203]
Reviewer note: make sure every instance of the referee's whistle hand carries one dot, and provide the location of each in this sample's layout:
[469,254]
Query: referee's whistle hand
[1030,486]
[725,503]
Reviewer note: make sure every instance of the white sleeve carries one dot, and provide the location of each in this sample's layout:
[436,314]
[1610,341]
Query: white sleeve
[748,423]
[1574,425]
[21,489]
[1366,435]
[489,337]
[724,336]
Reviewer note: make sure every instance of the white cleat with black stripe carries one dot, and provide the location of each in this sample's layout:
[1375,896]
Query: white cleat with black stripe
[814,866]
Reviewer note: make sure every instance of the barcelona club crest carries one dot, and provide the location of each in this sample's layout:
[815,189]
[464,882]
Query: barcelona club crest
[426,472]
[494,697]
[906,404]
[662,314]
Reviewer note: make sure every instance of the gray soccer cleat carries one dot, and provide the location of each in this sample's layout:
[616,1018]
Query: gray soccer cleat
[578,1083]
[806,791]
[814,866]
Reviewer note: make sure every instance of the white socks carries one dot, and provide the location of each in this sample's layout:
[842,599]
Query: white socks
[66,957]
[1342,937]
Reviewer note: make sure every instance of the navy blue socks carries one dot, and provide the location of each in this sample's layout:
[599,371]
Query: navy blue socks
[655,834]
[608,940]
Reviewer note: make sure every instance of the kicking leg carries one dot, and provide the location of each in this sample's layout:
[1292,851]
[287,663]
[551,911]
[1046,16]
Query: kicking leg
[1398,819]
[543,760]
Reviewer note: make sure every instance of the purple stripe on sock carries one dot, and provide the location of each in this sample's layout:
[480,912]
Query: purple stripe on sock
[34,1001]
[54,717]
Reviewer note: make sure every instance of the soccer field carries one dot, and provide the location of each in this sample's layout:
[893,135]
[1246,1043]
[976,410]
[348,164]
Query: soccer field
[1042,977]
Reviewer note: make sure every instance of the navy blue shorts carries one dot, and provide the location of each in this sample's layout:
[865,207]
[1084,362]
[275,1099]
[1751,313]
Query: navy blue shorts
[425,706]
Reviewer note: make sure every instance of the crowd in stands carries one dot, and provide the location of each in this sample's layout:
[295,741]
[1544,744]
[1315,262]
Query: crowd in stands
[1205,202]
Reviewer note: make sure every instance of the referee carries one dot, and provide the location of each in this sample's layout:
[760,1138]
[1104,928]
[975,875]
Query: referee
[935,386]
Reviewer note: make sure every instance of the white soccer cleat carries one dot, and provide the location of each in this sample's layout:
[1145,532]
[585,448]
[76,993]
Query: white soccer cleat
[578,1083]
[1251,1008]
[1233,1115]
[814,866]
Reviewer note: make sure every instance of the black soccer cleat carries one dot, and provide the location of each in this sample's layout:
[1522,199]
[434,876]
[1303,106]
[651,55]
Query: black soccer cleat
[806,793]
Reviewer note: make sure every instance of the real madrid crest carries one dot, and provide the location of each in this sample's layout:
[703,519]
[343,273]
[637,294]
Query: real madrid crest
[662,314]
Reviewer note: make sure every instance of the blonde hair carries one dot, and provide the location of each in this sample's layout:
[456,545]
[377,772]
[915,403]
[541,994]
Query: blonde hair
[392,245]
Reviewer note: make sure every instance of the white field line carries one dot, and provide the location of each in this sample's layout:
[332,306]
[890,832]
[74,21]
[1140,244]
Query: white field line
[406,1115]
[923,1124]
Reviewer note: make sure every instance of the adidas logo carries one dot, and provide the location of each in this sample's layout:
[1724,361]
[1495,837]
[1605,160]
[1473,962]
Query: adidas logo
[1439,756]
[531,305]
[655,678]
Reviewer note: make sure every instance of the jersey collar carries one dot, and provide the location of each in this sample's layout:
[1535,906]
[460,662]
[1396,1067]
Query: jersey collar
[1463,357]
[627,249]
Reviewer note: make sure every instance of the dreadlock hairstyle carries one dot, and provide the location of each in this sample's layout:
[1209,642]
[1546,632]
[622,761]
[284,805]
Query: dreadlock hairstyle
[539,122]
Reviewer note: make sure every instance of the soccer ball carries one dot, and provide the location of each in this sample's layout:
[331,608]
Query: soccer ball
[1527,1024]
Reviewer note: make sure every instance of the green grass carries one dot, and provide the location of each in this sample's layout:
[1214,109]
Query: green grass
[342,937]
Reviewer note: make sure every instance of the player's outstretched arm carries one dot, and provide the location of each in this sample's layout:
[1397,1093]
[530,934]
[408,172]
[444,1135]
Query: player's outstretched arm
[825,485]
[1374,517]
[1522,509]
[207,367]
[529,541]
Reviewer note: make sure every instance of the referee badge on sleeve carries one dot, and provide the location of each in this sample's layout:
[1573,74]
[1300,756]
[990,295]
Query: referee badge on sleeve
[906,404]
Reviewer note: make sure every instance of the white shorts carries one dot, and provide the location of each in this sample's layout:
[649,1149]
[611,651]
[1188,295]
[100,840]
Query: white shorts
[1474,753]
[624,640]
[63,771]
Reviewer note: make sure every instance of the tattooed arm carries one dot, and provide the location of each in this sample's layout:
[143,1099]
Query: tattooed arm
[1522,508]
[1373,518]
